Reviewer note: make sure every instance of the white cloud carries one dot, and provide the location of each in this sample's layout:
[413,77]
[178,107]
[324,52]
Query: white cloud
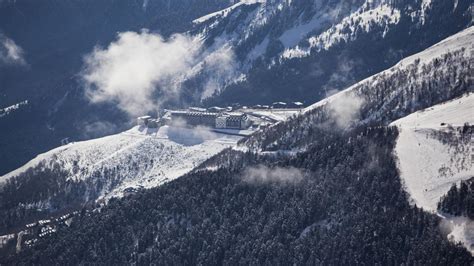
[130,69]
[344,108]
[139,71]
[198,135]
[98,128]
[264,174]
[10,52]
[220,67]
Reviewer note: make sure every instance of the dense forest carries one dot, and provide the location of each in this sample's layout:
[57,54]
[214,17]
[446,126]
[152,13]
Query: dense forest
[342,203]
[459,201]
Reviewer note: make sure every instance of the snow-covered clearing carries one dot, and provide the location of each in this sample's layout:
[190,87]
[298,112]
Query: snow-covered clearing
[430,165]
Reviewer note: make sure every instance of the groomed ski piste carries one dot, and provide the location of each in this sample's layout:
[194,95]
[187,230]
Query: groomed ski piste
[429,166]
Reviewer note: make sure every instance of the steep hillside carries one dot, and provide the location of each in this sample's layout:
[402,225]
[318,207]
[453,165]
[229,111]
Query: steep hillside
[305,50]
[338,203]
[333,185]
[435,75]
[274,50]
[82,172]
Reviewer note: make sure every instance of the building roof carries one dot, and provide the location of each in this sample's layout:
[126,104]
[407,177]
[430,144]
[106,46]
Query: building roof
[191,113]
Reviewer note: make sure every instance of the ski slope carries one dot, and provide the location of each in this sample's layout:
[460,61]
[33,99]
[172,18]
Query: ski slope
[138,158]
[429,166]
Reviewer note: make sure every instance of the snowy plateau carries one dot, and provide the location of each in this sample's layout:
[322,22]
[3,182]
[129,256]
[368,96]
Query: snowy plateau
[141,157]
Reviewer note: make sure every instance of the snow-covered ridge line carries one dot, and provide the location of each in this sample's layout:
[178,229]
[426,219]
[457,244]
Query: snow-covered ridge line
[138,158]
[224,12]
[457,42]
[7,110]
[383,15]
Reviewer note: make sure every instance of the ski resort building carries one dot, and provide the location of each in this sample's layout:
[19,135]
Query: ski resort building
[194,118]
[143,120]
[148,121]
[233,121]
[211,119]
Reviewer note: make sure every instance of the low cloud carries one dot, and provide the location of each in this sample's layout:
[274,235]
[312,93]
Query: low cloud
[220,67]
[10,52]
[130,69]
[263,174]
[140,71]
[344,108]
[98,129]
[187,135]
[459,229]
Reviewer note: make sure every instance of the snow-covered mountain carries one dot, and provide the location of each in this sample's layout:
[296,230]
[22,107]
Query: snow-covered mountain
[305,50]
[136,158]
[112,166]
[348,184]
[437,74]
[274,50]
[429,97]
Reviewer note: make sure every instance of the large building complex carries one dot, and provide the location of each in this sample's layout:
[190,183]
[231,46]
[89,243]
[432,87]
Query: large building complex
[222,120]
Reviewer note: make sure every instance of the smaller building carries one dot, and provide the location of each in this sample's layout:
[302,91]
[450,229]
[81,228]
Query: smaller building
[237,121]
[279,105]
[197,109]
[143,120]
[216,109]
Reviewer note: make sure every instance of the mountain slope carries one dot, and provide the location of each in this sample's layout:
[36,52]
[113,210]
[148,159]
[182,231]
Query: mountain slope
[320,188]
[97,169]
[432,153]
[257,37]
[341,202]
[432,76]
[339,187]
[434,150]
[301,50]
